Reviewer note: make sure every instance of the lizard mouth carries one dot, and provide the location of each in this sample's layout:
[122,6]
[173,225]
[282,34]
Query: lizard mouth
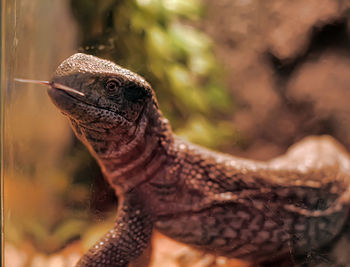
[70,105]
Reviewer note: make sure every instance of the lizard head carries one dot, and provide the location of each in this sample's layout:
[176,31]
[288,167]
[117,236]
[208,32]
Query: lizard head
[112,95]
[117,105]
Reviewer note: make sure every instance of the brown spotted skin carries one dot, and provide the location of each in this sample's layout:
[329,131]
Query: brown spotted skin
[126,240]
[284,209]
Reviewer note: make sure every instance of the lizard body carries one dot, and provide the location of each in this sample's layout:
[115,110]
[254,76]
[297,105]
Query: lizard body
[219,203]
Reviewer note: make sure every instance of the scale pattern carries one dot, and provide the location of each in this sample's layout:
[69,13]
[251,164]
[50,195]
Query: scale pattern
[286,208]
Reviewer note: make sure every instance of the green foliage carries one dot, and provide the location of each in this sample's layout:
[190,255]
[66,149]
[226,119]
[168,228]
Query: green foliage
[155,39]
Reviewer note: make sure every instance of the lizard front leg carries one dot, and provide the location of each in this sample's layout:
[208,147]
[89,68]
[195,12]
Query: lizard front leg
[126,241]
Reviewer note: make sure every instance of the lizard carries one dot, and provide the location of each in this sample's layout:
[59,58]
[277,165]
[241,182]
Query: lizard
[226,205]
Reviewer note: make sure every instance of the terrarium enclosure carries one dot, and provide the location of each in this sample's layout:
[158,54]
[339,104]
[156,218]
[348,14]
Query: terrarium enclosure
[246,77]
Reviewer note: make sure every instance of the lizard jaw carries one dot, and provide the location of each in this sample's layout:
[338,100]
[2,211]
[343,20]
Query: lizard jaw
[83,112]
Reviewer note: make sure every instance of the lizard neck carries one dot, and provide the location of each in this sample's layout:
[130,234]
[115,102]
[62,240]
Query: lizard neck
[134,157]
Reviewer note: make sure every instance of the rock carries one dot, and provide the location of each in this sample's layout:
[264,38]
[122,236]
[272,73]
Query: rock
[325,86]
[264,46]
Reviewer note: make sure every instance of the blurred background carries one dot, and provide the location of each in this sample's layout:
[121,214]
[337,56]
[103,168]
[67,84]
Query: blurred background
[246,77]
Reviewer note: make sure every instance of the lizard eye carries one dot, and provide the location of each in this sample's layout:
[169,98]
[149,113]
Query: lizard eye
[111,86]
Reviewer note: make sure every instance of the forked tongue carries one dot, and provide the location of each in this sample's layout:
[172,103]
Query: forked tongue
[51,84]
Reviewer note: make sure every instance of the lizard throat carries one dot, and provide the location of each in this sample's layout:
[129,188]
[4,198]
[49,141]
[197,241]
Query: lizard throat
[126,160]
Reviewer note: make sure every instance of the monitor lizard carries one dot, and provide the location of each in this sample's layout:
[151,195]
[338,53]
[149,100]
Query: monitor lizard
[226,205]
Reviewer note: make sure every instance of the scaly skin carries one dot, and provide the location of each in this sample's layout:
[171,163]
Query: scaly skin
[258,211]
